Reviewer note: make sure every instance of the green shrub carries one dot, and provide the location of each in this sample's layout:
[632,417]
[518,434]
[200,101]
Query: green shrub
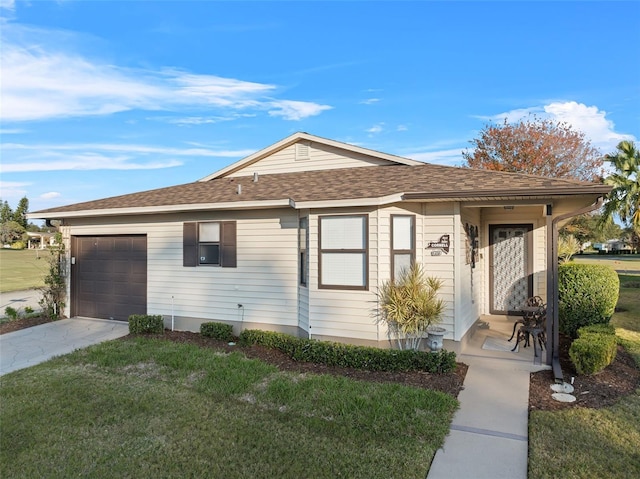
[11,313]
[18,245]
[597,329]
[220,331]
[592,352]
[146,324]
[588,294]
[350,356]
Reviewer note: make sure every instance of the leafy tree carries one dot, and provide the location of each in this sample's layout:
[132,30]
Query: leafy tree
[20,214]
[538,147]
[590,227]
[624,198]
[10,232]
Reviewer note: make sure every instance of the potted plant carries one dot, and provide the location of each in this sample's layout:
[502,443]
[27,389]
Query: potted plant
[411,309]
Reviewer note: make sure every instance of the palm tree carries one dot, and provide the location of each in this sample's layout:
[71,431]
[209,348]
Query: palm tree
[624,198]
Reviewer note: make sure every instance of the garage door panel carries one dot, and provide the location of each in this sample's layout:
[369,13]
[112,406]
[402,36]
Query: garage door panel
[109,277]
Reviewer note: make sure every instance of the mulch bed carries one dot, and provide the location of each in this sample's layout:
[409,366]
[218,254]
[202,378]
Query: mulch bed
[600,390]
[603,389]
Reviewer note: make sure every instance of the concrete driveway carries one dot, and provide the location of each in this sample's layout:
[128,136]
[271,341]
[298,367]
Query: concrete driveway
[31,346]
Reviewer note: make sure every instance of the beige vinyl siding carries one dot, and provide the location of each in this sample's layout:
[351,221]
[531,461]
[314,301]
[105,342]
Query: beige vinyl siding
[265,281]
[438,220]
[470,285]
[343,313]
[321,157]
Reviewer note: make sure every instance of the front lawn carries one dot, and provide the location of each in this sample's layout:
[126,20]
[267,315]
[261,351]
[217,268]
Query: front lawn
[144,407]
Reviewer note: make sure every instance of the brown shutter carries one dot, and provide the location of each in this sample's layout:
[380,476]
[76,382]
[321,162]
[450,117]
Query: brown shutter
[190,244]
[228,244]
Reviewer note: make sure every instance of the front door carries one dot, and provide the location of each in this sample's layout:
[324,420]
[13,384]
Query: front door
[510,259]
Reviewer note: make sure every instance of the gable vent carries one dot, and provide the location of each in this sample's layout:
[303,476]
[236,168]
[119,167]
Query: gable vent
[302,151]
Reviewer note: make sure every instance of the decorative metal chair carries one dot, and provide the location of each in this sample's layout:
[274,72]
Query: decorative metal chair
[532,324]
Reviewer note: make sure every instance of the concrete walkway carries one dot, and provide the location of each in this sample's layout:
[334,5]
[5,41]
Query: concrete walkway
[31,346]
[489,433]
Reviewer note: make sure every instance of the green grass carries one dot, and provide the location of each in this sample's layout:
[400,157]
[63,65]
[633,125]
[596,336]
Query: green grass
[617,262]
[586,443]
[590,443]
[22,269]
[152,408]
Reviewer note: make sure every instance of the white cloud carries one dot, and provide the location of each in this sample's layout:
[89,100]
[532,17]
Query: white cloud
[8,5]
[50,195]
[587,119]
[10,190]
[41,79]
[12,131]
[450,157]
[30,158]
[296,110]
[370,101]
[375,129]
[402,128]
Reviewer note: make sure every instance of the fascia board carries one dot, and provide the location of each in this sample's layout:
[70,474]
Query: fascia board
[235,205]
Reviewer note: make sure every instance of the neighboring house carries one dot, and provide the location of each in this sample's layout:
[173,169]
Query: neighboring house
[299,236]
[614,246]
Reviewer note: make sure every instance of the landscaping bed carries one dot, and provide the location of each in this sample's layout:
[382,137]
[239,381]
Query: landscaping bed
[617,380]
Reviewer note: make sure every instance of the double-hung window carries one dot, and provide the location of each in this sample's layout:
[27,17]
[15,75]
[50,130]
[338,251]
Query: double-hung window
[211,243]
[343,252]
[403,243]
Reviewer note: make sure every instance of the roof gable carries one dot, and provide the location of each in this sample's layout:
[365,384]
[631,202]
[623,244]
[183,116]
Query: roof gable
[304,152]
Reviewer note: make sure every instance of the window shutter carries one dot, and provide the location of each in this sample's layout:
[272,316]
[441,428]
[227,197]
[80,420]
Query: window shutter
[228,244]
[190,244]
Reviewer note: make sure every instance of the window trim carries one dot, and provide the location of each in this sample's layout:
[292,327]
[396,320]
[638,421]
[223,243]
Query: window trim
[191,244]
[303,251]
[411,251]
[364,251]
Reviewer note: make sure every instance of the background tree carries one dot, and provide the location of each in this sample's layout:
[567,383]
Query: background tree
[10,232]
[590,227]
[624,198]
[538,147]
[6,213]
[20,213]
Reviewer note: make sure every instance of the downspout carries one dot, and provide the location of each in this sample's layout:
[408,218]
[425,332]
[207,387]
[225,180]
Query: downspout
[553,333]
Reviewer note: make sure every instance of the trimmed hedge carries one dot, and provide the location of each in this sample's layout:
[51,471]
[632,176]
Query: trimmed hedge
[219,331]
[595,348]
[146,324]
[350,356]
[588,294]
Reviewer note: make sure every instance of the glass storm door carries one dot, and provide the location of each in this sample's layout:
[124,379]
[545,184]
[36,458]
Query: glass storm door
[510,265]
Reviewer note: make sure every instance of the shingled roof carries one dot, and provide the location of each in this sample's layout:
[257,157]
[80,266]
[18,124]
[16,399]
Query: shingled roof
[364,185]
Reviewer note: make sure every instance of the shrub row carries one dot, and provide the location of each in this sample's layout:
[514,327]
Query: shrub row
[594,349]
[350,356]
[146,324]
[219,331]
[587,294]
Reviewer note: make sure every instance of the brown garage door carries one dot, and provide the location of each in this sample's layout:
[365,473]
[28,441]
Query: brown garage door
[108,276]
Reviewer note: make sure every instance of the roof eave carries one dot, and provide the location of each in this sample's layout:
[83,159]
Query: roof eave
[149,210]
[508,194]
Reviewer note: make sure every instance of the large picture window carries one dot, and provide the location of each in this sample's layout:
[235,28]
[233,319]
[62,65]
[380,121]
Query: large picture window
[211,243]
[343,252]
[403,243]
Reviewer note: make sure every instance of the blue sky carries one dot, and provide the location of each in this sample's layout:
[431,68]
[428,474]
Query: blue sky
[102,98]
